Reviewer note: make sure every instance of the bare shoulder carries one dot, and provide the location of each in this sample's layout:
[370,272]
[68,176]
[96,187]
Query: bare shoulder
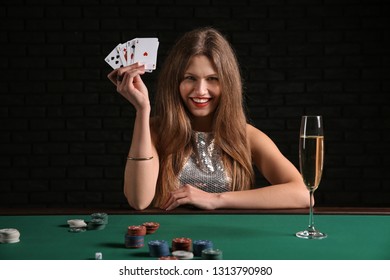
[259,142]
[255,135]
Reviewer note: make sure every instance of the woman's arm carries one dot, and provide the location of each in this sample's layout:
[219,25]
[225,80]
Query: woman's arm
[286,189]
[142,166]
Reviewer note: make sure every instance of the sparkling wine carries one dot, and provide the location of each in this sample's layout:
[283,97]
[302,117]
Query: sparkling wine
[311,158]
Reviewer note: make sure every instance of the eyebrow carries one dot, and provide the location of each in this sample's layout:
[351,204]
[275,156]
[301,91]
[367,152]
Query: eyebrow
[207,76]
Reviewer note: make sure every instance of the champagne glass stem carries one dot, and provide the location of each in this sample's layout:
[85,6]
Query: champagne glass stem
[311,216]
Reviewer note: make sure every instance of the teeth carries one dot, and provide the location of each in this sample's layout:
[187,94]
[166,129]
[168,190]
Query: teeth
[200,100]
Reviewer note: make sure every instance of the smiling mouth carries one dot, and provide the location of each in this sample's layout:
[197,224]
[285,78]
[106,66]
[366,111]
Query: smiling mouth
[200,101]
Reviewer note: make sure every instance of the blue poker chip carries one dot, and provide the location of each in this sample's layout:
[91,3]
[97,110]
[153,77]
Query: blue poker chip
[200,245]
[134,241]
[158,248]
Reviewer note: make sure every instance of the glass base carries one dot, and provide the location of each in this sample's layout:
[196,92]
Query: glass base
[311,233]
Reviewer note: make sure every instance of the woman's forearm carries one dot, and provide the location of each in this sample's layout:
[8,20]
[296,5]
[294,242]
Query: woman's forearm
[141,170]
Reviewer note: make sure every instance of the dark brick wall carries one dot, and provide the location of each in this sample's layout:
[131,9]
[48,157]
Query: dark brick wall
[65,132]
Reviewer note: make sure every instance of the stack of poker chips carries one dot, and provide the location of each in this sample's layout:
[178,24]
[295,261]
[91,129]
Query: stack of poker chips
[182,248]
[151,227]
[98,221]
[158,248]
[9,235]
[134,237]
[182,244]
[212,254]
[200,245]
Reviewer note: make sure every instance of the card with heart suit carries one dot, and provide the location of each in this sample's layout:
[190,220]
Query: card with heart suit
[143,50]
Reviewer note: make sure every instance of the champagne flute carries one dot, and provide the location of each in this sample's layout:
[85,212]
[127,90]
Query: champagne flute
[311,160]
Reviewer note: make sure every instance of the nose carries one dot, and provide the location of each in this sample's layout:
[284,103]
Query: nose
[201,87]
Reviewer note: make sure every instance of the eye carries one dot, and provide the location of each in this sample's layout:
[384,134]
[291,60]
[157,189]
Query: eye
[212,79]
[189,78]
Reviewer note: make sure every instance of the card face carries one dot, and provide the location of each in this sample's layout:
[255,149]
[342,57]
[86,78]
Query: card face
[145,51]
[130,50]
[122,49]
[113,59]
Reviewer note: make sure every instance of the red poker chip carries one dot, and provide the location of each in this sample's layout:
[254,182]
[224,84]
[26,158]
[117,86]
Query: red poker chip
[181,244]
[168,258]
[151,227]
[136,230]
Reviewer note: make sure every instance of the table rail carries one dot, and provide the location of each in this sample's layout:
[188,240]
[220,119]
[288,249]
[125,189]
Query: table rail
[189,211]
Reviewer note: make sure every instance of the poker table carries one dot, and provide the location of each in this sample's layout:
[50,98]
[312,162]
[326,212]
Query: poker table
[353,234]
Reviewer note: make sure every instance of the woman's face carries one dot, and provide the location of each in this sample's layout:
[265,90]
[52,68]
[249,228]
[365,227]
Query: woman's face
[200,89]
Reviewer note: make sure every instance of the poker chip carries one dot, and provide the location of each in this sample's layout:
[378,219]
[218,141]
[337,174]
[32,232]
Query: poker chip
[96,224]
[151,227]
[158,248]
[168,258]
[134,241]
[9,235]
[182,244]
[200,245]
[212,254]
[77,223]
[136,230]
[76,229]
[102,216]
[98,256]
[183,255]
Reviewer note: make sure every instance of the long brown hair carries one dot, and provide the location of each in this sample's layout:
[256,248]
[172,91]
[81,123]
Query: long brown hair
[172,124]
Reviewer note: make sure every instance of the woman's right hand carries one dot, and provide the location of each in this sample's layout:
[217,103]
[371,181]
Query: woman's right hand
[129,84]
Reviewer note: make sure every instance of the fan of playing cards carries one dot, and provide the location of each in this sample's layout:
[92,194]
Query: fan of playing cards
[143,50]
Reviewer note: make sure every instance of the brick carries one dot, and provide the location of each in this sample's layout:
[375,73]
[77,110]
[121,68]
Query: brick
[286,62]
[287,87]
[87,148]
[67,160]
[83,197]
[85,172]
[267,75]
[21,186]
[50,148]
[63,11]
[266,25]
[29,136]
[48,198]
[67,185]
[304,74]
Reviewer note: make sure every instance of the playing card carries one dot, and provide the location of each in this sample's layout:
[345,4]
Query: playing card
[122,49]
[113,59]
[145,51]
[130,51]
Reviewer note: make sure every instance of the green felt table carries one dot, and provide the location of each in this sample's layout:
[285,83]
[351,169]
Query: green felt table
[245,236]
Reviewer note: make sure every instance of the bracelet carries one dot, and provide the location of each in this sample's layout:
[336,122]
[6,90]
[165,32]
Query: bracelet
[139,158]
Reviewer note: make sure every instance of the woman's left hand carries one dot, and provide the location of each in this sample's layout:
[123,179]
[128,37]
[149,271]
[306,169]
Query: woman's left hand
[188,194]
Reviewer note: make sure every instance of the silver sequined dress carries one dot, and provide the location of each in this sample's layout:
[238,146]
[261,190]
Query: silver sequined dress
[204,168]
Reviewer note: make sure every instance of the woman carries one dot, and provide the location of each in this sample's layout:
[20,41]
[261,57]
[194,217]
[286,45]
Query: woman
[198,148]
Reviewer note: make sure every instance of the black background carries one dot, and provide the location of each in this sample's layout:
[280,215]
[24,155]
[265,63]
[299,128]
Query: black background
[65,132]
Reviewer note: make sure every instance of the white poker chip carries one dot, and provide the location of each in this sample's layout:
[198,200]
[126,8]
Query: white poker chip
[77,223]
[183,255]
[98,256]
[9,235]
